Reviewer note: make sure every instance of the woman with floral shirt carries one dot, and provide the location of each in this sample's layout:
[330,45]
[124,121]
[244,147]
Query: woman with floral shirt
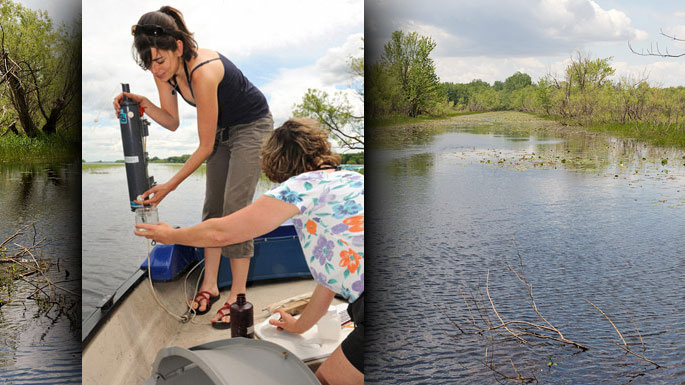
[327,209]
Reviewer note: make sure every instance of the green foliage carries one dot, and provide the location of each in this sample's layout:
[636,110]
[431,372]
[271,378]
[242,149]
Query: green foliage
[404,80]
[172,159]
[517,81]
[55,147]
[352,158]
[41,88]
[586,96]
[334,112]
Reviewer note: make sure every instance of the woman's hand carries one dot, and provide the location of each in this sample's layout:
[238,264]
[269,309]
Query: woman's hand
[142,100]
[158,193]
[287,322]
[161,232]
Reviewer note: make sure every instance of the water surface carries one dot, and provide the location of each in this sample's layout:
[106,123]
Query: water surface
[593,217]
[111,252]
[37,348]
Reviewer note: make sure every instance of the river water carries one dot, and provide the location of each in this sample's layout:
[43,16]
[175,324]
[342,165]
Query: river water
[36,348]
[593,217]
[111,252]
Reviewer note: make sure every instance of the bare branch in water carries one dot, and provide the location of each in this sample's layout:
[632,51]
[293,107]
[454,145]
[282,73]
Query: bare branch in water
[625,345]
[24,261]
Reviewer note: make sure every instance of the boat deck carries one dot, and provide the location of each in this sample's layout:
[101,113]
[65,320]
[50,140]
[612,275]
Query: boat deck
[123,349]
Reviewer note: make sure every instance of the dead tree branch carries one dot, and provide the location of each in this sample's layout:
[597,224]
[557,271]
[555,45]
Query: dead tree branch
[625,346]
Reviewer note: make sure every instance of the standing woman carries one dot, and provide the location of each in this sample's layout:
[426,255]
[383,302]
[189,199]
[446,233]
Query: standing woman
[233,119]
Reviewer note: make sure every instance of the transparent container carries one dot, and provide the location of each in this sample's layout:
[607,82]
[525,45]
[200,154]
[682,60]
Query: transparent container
[147,215]
[329,325]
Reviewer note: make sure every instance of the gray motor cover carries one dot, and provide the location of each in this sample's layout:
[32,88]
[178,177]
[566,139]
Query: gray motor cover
[230,362]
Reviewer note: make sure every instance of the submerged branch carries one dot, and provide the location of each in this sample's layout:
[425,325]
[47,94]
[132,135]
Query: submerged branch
[24,261]
[625,346]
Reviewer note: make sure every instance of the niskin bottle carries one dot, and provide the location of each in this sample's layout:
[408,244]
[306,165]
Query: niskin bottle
[242,318]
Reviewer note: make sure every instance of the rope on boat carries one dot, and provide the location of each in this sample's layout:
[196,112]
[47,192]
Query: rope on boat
[190,313]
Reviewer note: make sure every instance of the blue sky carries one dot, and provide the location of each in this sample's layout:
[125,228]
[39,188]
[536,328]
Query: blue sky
[492,39]
[283,47]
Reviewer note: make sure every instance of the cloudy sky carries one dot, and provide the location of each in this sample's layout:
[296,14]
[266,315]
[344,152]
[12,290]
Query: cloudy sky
[283,47]
[492,39]
[60,11]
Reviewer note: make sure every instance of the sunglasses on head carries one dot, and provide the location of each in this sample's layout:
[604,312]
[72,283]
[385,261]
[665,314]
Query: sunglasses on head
[150,30]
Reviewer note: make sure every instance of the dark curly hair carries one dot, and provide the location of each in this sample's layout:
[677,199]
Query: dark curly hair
[298,146]
[174,28]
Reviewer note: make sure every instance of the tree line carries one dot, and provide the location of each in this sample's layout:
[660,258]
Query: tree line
[585,94]
[404,83]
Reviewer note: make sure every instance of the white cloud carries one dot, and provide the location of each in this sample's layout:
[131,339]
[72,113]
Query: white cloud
[660,73]
[502,28]
[298,45]
[584,20]
[329,74]
[335,65]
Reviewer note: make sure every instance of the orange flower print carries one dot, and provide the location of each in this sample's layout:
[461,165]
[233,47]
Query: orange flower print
[311,227]
[356,223]
[350,259]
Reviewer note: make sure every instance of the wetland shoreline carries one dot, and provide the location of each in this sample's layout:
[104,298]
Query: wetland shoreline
[394,130]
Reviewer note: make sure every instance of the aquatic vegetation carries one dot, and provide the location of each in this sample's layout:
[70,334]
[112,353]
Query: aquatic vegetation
[21,259]
[14,148]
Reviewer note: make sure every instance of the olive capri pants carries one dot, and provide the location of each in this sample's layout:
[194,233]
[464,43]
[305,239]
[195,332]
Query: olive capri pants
[232,174]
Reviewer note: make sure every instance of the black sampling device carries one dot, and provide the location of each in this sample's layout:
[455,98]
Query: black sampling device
[134,129]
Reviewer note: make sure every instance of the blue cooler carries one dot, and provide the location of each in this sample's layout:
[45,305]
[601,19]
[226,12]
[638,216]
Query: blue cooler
[277,254]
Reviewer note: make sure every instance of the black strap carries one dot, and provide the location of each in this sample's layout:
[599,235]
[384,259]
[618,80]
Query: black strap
[175,86]
[336,168]
[190,77]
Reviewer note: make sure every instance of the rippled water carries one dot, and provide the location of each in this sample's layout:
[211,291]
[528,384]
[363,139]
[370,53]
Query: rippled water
[593,218]
[35,348]
[111,253]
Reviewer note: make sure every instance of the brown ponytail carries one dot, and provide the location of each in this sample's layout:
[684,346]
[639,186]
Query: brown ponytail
[171,20]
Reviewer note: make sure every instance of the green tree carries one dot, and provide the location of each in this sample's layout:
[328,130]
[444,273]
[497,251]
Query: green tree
[517,81]
[586,73]
[544,94]
[335,112]
[407,57]
[39,72]
[384,92]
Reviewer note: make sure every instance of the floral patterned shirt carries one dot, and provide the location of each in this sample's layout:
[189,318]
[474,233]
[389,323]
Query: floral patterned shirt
[330,226]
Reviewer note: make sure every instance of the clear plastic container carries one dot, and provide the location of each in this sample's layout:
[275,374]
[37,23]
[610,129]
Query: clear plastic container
[329,325]
[147,215]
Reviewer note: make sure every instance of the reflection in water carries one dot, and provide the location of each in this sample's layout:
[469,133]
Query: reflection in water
[593,217]
[417,165]
[37,348]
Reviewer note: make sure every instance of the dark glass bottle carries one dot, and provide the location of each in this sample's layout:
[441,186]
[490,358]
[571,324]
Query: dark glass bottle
[242,318]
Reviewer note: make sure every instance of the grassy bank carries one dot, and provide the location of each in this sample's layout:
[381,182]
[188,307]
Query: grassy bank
[15,148]
[658,135]
[663,135]
[655,134]
[95,166]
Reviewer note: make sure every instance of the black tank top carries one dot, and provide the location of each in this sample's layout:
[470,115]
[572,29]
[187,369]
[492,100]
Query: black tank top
[239,100]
